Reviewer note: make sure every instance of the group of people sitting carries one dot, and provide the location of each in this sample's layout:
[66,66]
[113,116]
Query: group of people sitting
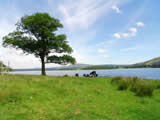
[92,74]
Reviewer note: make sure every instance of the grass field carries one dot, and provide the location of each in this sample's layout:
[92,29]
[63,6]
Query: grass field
[70,98]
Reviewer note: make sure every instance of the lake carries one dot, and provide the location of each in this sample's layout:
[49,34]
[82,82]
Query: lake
[149,73]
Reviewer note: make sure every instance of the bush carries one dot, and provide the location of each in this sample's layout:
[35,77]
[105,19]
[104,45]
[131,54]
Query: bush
[133,83]
[123,84]
[116,79]
[134,79]
[66,76]
[158,86]
[144,89]
[139,86]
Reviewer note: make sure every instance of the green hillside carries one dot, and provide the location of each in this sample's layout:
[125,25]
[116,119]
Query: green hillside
[155,62]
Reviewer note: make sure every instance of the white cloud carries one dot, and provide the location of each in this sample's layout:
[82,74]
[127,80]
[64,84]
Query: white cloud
[100,51]
[17,59]
[106,56]
[136,47]
[105,43]
[78,57]
[117,35]
[114,7]
[140,24]
[126,35]
[103,53]
[133,30]
[132,33]
[84,13]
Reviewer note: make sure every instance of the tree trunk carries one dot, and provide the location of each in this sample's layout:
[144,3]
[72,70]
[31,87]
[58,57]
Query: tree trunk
[43,70]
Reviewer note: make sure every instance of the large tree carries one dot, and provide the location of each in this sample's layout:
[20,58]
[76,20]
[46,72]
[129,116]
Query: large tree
[36,34]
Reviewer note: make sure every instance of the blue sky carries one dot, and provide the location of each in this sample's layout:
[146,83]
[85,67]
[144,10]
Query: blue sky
[99,31]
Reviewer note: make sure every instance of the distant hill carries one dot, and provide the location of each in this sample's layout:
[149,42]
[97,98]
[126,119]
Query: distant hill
[69,67]
[76,66]
[154,63]
[109,66]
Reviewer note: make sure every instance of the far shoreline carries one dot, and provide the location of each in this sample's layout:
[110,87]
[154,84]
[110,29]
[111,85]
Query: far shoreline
[146,73]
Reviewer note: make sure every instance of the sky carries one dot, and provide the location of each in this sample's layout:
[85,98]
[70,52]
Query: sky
[99,31]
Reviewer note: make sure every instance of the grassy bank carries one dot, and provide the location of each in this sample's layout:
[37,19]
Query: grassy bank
[70,98]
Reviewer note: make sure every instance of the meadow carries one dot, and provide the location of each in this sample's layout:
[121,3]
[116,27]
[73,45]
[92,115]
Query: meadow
[26,97]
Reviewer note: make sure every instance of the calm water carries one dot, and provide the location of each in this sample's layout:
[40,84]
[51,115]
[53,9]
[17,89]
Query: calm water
[149,73]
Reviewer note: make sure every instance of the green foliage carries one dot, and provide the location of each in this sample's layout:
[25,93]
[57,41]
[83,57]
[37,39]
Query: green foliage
[65,59]
[36,35]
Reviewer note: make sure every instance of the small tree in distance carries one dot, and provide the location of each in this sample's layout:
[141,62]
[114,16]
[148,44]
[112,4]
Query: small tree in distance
[36,35]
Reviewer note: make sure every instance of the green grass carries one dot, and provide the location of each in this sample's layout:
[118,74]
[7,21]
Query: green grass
[73,98]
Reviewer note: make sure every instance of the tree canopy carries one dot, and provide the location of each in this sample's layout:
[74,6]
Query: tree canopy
[36,34]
